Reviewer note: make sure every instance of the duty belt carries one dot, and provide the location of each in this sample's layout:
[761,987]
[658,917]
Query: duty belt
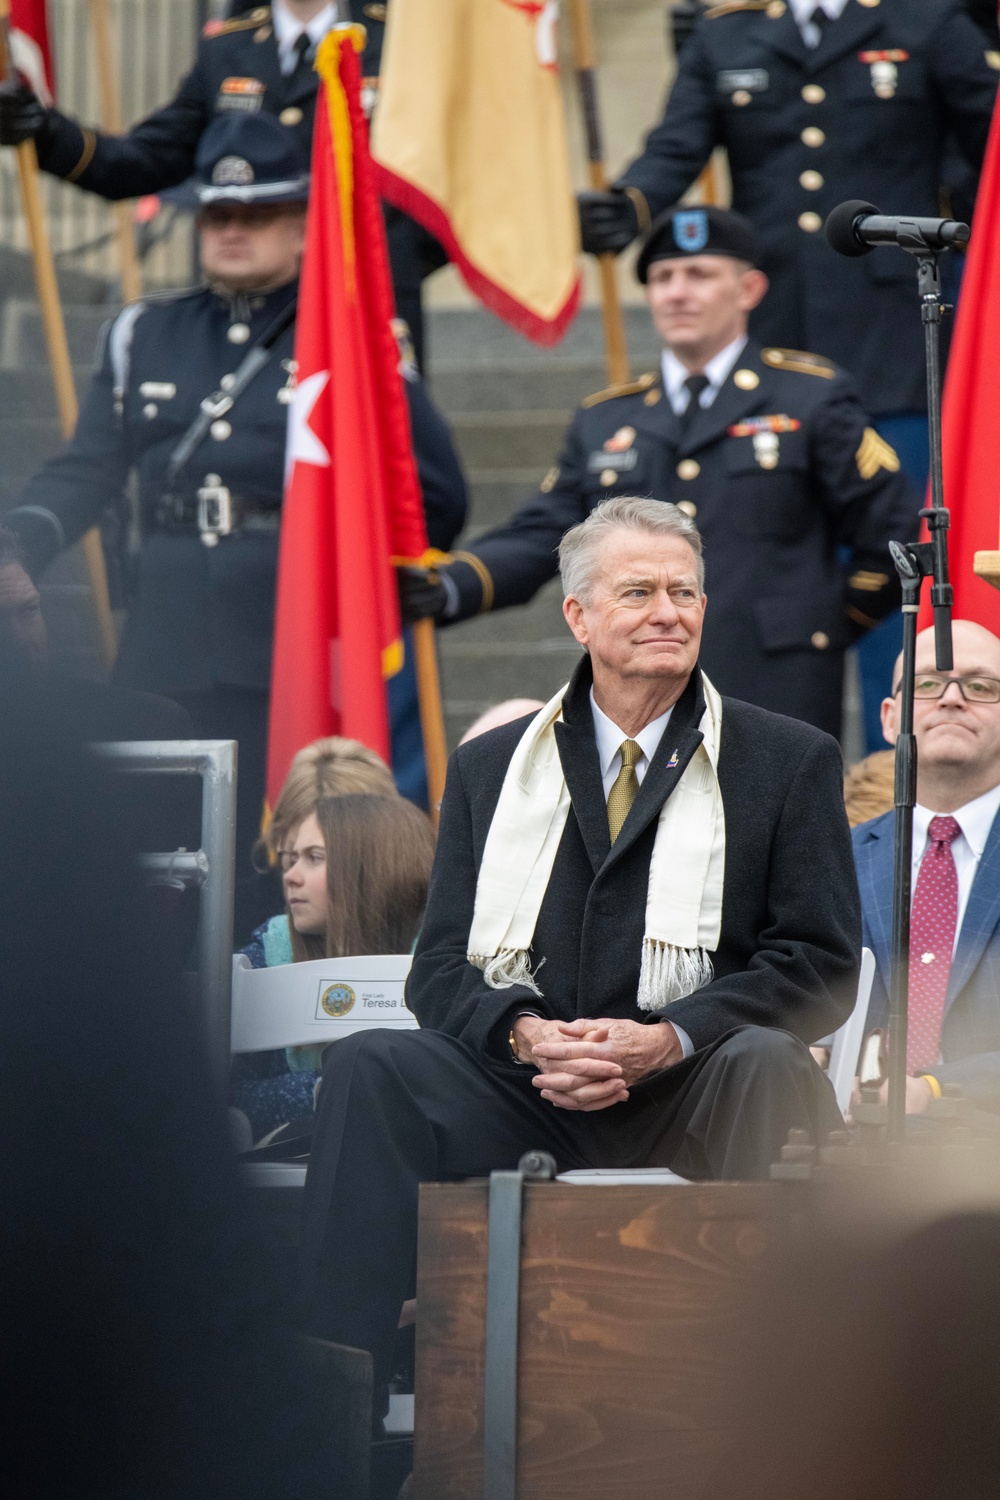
[215,513]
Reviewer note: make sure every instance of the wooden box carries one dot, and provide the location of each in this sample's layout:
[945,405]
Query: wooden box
[631,1334]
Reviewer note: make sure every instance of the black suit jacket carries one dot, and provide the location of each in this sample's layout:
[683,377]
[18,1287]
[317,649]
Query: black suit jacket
[805,130]
[791,925]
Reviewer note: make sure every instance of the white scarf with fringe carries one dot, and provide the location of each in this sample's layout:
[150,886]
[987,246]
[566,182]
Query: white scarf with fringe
[684,894]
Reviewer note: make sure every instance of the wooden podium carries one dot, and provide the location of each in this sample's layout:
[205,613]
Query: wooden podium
[631,1335]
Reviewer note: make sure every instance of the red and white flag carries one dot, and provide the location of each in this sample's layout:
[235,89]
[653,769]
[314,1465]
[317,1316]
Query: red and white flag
[29,46]
[352,496]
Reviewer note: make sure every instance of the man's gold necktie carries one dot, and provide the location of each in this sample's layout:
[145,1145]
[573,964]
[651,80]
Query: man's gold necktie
[622,794]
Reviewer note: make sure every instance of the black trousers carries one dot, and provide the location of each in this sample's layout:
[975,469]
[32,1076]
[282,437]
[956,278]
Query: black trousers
[400,1108]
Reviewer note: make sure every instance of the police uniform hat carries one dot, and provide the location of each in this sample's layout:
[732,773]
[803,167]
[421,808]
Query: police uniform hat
[696,231]
[245,159]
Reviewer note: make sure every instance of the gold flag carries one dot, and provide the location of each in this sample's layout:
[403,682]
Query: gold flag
[469,138]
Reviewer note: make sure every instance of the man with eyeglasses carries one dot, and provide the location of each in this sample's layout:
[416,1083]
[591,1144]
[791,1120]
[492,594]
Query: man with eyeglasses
[954,1007]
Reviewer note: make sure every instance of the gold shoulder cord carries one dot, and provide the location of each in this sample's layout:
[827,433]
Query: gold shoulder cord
[484,575]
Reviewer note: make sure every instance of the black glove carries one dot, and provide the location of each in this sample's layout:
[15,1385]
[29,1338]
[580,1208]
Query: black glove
[40,534]
[608,221]
[22,114]
[422,595]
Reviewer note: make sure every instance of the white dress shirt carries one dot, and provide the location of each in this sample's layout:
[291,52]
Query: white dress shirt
[717,372]
[287,30]
[975,820]
[609,744]
[803,9]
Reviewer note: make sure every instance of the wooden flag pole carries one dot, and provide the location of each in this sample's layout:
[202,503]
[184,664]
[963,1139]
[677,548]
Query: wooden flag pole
[431,712]
[584,58]
[58,348]
[109,88]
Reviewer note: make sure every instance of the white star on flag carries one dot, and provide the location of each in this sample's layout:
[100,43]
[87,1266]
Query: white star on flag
[304,447]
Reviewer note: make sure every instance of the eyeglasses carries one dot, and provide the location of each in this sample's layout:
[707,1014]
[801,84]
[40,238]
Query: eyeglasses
[974,689]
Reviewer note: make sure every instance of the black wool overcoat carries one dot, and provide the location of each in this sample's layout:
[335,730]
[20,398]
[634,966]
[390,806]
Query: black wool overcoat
[791,924]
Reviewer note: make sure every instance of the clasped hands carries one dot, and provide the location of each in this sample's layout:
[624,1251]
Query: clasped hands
[591,1064]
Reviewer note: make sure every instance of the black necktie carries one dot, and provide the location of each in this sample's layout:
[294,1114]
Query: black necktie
[302,47]
[821,21]
[694,384]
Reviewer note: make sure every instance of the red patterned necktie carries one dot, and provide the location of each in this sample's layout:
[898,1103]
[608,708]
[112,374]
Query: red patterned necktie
[933,919]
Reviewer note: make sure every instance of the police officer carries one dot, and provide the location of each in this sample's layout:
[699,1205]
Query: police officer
[768,448]
[818,101]
[167,402]
[260,61]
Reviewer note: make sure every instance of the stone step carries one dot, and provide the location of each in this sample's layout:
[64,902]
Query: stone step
[22,336]
[552,385]
[509,439]
[472,337]
[29,392]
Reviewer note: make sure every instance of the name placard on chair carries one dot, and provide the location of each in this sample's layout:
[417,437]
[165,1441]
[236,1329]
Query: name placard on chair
[294,1005]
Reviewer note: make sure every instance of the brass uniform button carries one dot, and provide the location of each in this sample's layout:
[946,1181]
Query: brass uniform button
[651,398]
[813,136]
[742,97]
[776,10]
[813,93]
[746,380]
[608,477]
[810,222]
[291,116]
[688,468]
[811,181]
[820,640]
[237,333]
[688,507]
[150,410]
[221,430]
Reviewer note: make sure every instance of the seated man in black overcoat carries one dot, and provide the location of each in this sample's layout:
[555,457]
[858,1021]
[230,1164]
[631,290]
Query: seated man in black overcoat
[643,909]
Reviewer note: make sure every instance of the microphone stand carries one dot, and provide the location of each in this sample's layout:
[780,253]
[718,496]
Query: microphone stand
[915,562]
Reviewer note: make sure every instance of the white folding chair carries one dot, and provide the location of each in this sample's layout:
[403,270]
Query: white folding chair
[846,1046]
[295,1005]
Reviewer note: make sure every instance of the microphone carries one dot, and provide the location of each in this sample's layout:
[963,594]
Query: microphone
[855,228]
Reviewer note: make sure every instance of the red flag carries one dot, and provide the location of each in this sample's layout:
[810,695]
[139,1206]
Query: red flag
[352,497]
[29,45]
[971,414]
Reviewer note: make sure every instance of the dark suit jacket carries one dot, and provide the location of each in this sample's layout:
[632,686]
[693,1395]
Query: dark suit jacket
[791,936]
[970,1036]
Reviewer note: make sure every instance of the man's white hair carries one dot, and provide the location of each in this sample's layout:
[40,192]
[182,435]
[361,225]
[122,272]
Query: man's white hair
[580,549]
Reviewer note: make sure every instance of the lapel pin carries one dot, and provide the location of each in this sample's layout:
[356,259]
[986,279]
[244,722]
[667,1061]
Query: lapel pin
[672,762]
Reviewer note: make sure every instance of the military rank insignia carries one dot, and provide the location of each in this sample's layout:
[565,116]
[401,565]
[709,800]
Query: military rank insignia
[874,454]
[884,72]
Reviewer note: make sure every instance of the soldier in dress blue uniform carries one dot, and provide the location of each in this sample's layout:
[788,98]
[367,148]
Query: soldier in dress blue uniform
[260,61]
[200,626]
[817,103]
[795,495]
